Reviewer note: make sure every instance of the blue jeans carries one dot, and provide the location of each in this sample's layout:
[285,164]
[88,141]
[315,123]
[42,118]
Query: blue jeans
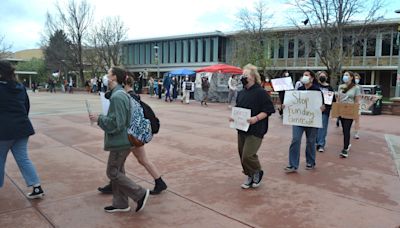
[294,150]
[321,134]
[19,149]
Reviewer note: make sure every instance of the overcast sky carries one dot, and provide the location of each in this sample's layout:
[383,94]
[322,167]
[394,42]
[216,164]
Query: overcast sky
[22,21]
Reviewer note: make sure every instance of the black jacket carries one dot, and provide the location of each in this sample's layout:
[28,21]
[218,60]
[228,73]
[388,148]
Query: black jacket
[257,100]
[14,109]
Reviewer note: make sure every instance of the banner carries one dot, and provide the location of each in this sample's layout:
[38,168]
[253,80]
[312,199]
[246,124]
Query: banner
[347,111]
[303,108]
[282,84]
[240,117]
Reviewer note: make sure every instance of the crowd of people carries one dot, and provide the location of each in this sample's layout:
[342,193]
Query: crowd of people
[118,85]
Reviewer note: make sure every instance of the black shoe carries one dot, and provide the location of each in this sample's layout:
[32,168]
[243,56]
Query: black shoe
[201,103]
[159,187]
[111,209]
[257,177]
[142,202]
[310,167]
[106,189]
[36,193]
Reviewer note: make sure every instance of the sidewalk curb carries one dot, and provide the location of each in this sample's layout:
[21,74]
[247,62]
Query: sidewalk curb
[393,142]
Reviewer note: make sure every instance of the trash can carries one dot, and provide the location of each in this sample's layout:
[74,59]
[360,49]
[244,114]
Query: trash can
[369,94]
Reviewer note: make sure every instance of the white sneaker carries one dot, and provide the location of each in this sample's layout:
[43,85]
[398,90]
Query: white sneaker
[247,183]
[356,136]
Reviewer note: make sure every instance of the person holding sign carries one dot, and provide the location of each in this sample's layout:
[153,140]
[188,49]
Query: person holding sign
[115,126]
[348,93]
[187,87]
[297,132]
[253,97]
[329,97]
[357,78]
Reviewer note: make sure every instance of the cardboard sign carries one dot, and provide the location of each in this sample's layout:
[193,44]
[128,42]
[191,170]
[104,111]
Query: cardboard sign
[367,101]
[282,84]
[303,108]
[328,97]
[240,117]
[347,111]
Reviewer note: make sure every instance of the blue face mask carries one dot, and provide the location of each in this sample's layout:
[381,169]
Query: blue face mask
[345,78]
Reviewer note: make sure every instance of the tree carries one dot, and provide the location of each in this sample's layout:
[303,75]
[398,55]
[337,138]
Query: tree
[37,65]
[106,38]
[58,53]
[250,43]
[74,18]
[4,48]
[327,27]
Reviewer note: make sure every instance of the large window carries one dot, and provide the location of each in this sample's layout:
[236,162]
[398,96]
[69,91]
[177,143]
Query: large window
[371,46]
[394,78]
[281,49]
[395,46]
[272,49]
[312,48]
[386,44]
[359,47]
[291,48]
[301,49]
[347,45]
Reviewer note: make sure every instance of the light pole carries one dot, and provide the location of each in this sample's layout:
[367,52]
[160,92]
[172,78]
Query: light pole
[158,62]
[397,92]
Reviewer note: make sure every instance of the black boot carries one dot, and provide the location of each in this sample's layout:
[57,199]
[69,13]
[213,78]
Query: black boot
[159,187]
[106,189]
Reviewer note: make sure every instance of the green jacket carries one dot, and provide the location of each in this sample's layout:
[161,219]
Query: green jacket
[116,122]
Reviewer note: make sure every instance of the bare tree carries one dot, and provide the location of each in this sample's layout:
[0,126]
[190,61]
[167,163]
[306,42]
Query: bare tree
[330,35]
[74,18]
[106,38]
[250,43]
[4,48]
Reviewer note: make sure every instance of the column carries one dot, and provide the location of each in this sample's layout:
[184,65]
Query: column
[215,51]
[193,51]
[178,51]
[208,49]
[185,51]
[200,50]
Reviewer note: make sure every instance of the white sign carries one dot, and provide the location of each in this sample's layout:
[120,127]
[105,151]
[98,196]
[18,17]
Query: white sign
[367,101]
[240,117]
[303,108]
[105,103]
[328,97]
[89,110]
[282,84]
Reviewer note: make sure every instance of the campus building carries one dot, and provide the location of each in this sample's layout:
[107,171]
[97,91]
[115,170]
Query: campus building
[375,58]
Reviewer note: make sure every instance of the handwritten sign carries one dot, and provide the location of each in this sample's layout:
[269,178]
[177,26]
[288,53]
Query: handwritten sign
[328,97]
[367,101]
[345,110]
[240,117]
[282,84]
[105,103]
[303,108]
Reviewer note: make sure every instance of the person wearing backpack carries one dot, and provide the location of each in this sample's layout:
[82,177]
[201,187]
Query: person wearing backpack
[140,153]
[115,125]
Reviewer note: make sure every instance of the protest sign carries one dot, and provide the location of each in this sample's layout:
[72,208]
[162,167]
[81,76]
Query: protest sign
[328,97]
[303,108]
[105,103]
[344,110]
[89,109]
[282,84]
[367,101]
[240,117]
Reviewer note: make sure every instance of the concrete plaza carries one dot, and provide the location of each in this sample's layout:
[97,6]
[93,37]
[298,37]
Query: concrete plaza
[196,152]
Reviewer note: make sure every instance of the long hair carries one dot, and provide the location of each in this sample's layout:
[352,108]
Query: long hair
[253,71]
[352,84]
[7,71]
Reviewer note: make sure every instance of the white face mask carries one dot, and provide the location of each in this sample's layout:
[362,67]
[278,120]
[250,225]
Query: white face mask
[357,81]
[305,79]
[105,80]
[345,78]
[286,74]
[267,80]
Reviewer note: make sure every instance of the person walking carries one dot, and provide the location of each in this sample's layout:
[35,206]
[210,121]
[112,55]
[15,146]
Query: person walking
[281,94]
[159,88]
[186,88]
[140,153]
[115,125]
[167,86]
[205,87]
[151,87]
[357,79]
[348,93]
[174,88]
[297,132]
[232,86]
[324,86]
[253,97]
[16,128]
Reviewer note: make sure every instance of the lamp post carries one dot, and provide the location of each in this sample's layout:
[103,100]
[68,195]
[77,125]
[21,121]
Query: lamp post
[157,60]
[397,92]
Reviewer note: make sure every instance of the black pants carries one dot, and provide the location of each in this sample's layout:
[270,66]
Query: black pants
[282,99]
[346,125]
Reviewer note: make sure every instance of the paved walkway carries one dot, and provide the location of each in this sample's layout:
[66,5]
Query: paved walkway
[197,153]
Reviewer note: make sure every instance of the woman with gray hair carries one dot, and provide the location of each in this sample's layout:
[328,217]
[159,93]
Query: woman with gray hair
[253,97]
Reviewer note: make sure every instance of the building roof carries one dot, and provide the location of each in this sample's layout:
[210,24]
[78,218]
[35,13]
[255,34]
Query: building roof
[155,39]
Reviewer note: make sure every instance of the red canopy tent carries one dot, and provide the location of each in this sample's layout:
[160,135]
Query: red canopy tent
[221,68]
